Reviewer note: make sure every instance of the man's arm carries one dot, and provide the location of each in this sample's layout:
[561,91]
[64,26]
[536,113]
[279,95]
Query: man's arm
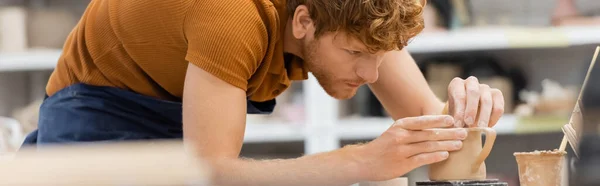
[227,40]
[214,117]
[402,89]
[214,123]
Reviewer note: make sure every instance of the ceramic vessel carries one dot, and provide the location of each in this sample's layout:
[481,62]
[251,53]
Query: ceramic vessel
[541,168]
[468,162]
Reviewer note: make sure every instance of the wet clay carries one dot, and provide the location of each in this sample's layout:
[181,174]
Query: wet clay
[540,168]
[468,162]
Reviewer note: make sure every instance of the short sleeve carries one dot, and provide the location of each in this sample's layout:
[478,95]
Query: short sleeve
[226,38]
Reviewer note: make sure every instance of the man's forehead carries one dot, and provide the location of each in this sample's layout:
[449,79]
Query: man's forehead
[342,39]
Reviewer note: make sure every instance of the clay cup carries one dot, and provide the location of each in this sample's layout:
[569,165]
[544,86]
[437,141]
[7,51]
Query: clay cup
[468,162]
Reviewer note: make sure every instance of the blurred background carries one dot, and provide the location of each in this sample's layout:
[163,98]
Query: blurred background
[536,51]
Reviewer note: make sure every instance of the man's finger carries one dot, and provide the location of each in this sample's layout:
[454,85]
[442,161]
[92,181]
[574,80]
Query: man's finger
[472,103]
[425,122]
[434,146]
[457,100]
[437,135]
[428,158]
[497,107]
[485,106]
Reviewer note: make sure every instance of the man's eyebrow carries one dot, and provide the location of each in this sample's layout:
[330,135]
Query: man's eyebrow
[356,45]
[349,43]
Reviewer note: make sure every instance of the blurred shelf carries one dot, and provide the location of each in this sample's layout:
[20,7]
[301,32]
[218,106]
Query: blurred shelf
[494,38]
[465,39]
[541,123]
[29,61]
[370,128]
[274,131]
[362,128]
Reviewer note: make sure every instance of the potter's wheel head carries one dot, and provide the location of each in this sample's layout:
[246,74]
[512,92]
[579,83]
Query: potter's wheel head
[487,182]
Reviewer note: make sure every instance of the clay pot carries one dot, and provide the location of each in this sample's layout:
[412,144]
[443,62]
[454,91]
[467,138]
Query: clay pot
[468,162]
[540,168]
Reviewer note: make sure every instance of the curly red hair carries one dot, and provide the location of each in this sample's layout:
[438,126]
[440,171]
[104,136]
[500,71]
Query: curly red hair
[380,24]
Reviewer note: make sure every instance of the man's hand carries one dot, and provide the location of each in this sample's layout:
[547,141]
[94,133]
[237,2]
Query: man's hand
[410,143]
[473,104]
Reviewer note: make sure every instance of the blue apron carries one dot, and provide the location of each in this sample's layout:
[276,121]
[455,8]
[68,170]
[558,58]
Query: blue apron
[86,113]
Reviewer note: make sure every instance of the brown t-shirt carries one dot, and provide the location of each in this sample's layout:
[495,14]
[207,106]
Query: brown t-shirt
[145,45]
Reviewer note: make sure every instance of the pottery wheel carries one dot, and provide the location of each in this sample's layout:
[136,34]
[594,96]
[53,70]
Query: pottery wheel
[489,182]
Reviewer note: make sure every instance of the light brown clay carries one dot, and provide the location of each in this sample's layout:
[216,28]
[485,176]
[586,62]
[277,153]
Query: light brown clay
[540,168]
[468,162]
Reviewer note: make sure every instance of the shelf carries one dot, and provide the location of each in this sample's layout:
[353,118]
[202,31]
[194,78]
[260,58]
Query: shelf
[494,38]
[370,128]
[30,60]
[465,39]
[274,131]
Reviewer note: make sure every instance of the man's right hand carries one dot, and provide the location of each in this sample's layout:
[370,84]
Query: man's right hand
[410,143]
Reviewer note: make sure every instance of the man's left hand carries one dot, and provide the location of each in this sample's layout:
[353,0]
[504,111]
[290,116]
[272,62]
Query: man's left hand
[473,104]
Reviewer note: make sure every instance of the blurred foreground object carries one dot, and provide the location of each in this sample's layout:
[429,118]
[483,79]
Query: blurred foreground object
[402,181]
[123,163]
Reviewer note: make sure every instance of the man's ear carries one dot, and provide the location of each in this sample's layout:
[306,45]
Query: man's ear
[302,24]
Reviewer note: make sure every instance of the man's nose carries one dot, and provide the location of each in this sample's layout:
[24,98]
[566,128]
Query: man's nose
[368,72]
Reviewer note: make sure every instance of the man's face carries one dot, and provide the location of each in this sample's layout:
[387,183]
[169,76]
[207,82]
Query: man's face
[340,63]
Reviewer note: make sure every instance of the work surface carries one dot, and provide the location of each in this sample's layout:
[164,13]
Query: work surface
[132,163]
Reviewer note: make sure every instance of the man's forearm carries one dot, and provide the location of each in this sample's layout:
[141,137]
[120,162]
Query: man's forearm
[339,167]
[403,90]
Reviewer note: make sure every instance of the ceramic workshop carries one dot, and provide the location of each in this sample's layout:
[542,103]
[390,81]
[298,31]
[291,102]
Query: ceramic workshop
[299,92]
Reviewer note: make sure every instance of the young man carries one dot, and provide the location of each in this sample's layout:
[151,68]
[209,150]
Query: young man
[193,69]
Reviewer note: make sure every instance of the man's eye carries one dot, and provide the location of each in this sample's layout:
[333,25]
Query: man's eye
[353,52]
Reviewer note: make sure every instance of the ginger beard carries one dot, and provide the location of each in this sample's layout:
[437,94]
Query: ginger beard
[317,60]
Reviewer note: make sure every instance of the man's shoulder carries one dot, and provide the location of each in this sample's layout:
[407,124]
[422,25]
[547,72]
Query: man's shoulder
[232,39]
[245,7]
[237,14]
